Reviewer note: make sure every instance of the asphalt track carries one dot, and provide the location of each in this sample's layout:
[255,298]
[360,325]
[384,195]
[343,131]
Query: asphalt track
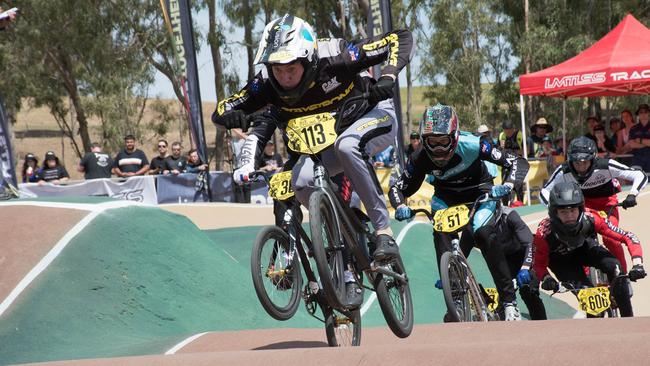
[141,281]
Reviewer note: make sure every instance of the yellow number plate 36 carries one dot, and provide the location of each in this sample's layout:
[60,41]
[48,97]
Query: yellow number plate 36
[594,300]
[311,134]
[451,219]
[280,186]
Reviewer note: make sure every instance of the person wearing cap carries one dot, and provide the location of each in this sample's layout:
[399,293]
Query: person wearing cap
[269,161]
[130,161]
[52,171]
[603,142]
[538,131]
[483,131]
[95,164]
[30,166]
[414,144]
[511,140]
[639,139]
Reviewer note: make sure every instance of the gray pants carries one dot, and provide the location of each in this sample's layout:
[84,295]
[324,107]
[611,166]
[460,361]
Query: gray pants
[373,133]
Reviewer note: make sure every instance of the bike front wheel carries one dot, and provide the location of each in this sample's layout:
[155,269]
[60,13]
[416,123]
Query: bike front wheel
[327,248]
[276,273]
[343,329]
[394,297]
[463,295]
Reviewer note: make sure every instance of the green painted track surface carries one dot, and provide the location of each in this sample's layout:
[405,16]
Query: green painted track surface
[139,280]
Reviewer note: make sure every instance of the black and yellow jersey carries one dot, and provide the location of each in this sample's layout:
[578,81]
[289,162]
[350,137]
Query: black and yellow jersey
[339,75]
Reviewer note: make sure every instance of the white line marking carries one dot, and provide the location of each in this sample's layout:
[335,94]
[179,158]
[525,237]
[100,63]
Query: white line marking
[231,257]
[399,239]
[59,246]
[184,343]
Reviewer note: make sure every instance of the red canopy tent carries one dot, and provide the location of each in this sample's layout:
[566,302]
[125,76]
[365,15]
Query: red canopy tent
[618,64]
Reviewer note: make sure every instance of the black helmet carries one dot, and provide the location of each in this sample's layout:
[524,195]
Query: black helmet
[563,195]
[580,149]
[287,40]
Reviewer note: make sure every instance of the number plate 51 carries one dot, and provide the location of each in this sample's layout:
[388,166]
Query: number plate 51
[451,219]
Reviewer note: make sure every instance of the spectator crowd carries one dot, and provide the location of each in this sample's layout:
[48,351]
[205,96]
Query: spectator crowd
[128,162]
[627,136]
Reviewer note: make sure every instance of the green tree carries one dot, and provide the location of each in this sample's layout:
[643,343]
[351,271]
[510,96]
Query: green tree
[465,49]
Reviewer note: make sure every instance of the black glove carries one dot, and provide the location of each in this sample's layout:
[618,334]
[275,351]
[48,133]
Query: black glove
[629,201]
[383,89]
[549,283]
[232,119]
[637,272]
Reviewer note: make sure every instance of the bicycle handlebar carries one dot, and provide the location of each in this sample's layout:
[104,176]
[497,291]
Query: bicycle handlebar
[485,197]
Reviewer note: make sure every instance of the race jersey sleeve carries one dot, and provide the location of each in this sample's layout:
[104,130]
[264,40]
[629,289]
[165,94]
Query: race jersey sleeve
[523,236]
[607,229]
[517,166]
[411,179]
[541,250]
[638,178]
[249,99]
[557,176]
[395,47]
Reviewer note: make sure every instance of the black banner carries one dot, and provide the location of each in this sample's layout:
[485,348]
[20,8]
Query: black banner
[180,21]
[7,167]
[380,21]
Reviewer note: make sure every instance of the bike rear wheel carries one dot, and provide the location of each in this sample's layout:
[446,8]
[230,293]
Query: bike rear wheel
[343,329]
[395,300]
[276,273]
[327,248]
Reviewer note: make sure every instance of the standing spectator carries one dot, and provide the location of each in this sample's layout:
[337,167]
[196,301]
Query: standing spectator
[414,144]
[269,161]
[623,135]
[639,140]
[194,163]
[615,125]
[603,142]
[30,167]
[158,164]
[383,159]
[95,164]
[538,131]
[130,161]
[592,122]
[483,131]
[511,141]
[52,171]
[5,22]
[176,162]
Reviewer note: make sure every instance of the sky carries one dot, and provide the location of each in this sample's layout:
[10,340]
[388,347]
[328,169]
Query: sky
[162,86]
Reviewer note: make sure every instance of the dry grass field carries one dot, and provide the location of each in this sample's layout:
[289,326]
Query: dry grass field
[36,131]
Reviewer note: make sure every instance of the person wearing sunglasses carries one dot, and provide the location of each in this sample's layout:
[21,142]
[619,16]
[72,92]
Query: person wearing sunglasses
[455,162]
[158,163]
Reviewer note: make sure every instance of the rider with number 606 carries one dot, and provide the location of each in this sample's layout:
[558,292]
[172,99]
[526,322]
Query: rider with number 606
[455,162]
[567,241]
[597,177]
[304,76]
